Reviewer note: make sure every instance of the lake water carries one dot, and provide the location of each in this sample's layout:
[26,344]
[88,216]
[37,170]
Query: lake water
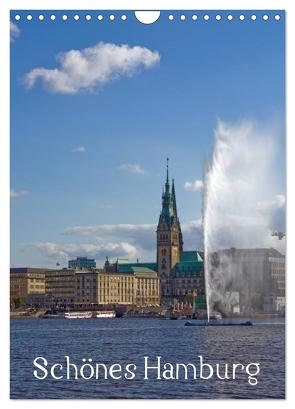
[129,340]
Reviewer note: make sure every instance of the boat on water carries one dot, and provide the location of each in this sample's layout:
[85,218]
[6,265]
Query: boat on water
[53,316]
[217,323]
[78,314]
[105,314]
[89,314]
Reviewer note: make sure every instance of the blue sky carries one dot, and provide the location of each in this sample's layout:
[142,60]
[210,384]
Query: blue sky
[96,157]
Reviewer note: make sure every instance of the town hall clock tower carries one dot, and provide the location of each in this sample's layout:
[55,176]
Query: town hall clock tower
[169,238]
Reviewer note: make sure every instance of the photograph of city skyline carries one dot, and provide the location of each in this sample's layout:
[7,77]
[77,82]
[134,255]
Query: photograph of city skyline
[147,205]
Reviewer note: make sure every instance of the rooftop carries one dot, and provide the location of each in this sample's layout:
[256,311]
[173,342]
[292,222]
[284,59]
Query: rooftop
[130,267]
[192,256]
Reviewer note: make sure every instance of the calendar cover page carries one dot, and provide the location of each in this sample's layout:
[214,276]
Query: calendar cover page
[147,204]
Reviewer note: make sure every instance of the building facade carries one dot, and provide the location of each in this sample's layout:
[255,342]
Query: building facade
[27,285]
[187,275]
[131,285]
[122,283]
[82,263]
[116,288]
[277,272]
[60,287]
[86,283]
[259,277]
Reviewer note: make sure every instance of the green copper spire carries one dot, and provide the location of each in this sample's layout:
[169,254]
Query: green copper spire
[174,199]
[175,214]
[167,203]
[167,177]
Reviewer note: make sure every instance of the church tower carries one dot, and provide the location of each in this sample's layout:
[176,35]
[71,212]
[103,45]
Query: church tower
[169,237]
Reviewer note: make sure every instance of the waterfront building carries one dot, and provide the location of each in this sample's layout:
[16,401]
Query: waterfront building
[146,284]
[277,271]
[82,263]
[147,287]
[258,275]
[116,288]
[86,287]
[27,285]
[130,285]
[60,287]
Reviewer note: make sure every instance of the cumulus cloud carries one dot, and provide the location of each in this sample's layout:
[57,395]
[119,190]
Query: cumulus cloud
[129,241]
[275,212]
[194,186]
[17,193]
[132,168]
[64,252]
[14,31]
[93,67]
[80,149]
[278,201]
[141,235]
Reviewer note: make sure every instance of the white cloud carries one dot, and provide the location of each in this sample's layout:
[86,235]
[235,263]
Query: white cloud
[129,241]
[141,235]
[17,193]
[274,211]
[133,168]
[65,252]
[80,149]
[14,31]
[194,186]
[278,201]
[93,67]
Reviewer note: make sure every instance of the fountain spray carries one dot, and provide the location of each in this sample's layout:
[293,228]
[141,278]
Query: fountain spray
[241,202]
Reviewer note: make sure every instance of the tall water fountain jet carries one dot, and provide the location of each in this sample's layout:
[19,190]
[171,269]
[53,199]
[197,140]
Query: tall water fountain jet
[242,203]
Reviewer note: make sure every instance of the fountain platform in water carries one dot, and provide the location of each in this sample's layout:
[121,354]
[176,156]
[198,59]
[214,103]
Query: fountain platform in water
[217,324]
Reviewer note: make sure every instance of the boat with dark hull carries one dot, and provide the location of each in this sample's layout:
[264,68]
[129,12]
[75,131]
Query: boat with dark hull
[217,324]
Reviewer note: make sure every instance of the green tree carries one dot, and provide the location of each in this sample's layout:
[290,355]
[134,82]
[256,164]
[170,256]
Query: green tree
[189,298]
[18,302]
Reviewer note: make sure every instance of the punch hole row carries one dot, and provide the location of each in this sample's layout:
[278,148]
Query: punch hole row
[171,17]
[218,17]
[76,17]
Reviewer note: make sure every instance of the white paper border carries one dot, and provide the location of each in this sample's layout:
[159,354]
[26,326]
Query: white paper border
[6,5]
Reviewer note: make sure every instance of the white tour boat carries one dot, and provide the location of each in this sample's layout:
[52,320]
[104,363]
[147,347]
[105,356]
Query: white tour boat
[78,314]
[105,314]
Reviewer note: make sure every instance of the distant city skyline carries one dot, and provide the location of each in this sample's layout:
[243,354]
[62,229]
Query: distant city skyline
[96,107]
